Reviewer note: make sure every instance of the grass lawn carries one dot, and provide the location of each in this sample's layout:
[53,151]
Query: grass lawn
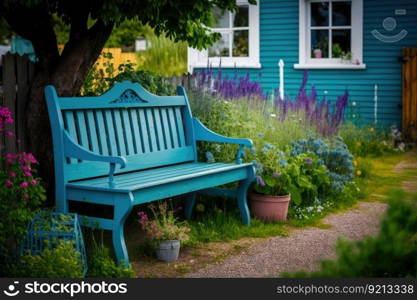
[217,234]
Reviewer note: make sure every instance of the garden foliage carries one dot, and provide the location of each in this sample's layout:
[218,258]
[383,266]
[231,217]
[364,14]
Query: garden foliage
[334,155]
[102,265]
[163,224]
[21,194]
[322,115]
[371,141]
[61,261]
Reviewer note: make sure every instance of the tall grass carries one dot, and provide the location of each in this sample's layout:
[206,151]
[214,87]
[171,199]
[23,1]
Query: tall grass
[164,57]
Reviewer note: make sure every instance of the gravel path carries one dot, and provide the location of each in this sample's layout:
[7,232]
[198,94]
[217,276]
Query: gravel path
[302,249]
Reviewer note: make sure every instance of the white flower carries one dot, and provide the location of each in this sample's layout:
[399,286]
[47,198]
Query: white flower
[401,146]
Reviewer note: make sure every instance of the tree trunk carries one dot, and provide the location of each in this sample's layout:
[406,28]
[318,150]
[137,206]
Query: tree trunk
[67,75]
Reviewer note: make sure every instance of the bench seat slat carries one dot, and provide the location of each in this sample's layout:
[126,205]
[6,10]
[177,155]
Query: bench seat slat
[166,177]
[155,173]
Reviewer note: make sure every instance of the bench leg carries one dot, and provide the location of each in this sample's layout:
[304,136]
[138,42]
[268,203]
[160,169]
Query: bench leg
[189,205]
[121,212]
[242,202]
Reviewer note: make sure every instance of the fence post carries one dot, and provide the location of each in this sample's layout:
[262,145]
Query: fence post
[18,72]
[9,93]
[281,79]
[23,80]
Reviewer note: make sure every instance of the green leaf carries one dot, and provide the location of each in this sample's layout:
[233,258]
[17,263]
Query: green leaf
[295,195]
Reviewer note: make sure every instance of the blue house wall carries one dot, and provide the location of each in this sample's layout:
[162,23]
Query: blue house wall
[279,39]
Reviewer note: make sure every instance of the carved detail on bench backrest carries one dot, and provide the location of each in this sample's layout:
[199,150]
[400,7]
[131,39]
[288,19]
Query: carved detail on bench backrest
[129,96]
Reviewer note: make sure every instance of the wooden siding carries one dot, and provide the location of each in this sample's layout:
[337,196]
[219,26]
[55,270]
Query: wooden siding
[279,40]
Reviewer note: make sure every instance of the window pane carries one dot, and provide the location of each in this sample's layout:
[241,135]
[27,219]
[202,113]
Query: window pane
[320,14]
[241,17]
[319,43]
[341,43]
[240,43]
[221,47]
[220,18]
[341,13]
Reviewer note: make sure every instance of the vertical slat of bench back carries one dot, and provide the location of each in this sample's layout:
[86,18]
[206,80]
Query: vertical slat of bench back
[148,130]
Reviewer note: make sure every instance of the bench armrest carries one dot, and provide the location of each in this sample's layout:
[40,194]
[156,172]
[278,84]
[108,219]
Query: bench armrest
[74,150]
[202,133]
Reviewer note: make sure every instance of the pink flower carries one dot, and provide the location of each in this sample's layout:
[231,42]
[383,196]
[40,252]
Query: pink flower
[9,161]
[24,185]
[9,133]
[33,182]
[28,174]
[9,156]
[8,183]
[12,174]
[26,168]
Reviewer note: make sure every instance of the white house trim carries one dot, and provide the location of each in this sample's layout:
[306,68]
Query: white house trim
[200,59]
[304,60]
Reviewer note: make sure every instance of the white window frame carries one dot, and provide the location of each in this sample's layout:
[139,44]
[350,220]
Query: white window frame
[200,59]
[304,59]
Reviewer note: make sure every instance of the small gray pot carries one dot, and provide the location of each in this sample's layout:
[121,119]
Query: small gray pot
[168,251]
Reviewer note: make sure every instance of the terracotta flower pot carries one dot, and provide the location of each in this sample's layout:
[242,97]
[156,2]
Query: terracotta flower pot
[269,208]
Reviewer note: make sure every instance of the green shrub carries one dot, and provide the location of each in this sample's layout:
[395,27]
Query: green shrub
[21,195]
[152,82]
[390,254]
[62,261]
[98,79]
[101,264]
[369,141]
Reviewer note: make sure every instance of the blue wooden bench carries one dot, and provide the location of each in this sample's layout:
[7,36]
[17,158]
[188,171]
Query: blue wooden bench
[128,147]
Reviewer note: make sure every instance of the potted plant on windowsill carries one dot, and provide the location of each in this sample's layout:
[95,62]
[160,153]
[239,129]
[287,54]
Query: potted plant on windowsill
[346,57]
[274,186]
[164,231]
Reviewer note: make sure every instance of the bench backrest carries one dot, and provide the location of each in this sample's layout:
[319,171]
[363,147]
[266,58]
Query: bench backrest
[148,130]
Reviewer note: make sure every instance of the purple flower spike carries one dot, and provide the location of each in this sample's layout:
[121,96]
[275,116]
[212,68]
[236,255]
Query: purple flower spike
[277,174]
[260,181]
[309,161]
